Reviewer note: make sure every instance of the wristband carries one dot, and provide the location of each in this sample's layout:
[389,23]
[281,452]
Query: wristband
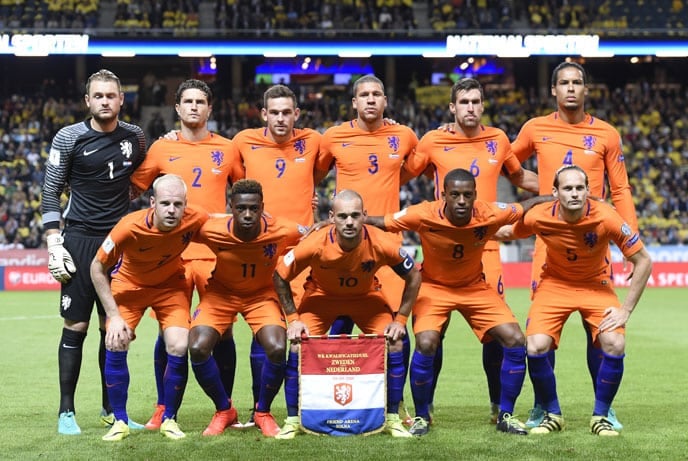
[54,240]
[292,317]
[401,318]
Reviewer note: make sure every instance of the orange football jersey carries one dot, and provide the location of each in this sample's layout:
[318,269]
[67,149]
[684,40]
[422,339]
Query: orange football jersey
[338,272]
[593,144]
[207,167]
[248,267]
[284,170]
[368,162]
[577,252]
[142,254]
[452,255]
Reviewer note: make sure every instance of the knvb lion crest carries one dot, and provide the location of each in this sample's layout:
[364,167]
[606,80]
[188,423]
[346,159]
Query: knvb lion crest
[343,393]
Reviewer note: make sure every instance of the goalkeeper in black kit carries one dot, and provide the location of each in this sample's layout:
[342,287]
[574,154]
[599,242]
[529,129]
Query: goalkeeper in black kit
[92,160]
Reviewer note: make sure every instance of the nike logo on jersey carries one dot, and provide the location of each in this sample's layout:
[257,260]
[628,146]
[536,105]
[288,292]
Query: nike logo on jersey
[69,347]
[447,148]
[216,171]
[172,159]
[255,147]
[346,144]
[430,229]
[145,248]
[89,152]
[546,138]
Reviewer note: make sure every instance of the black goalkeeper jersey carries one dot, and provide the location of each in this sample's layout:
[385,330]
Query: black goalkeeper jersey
[95,169]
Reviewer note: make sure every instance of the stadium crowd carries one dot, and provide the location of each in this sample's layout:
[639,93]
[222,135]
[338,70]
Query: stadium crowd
[330,15]
[651,121]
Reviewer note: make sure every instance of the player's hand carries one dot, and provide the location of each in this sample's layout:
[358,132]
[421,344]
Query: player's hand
[118,335]
[315,201]
[134,192]
[614,317]
[316,227]
[390,121]
[295,330]
[171,135]
[447,127]
[60,262]
[395,331]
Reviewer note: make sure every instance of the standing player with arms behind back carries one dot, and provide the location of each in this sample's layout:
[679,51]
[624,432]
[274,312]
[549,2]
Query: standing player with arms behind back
[207,164]
[94,160]
[281,158]
[368,153]
[570,136]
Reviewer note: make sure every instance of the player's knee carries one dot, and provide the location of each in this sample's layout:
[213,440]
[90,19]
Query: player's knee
[612,343]
[427,342]
[81,327]
[177,348]
[395,346]
[538,344]
[509,335]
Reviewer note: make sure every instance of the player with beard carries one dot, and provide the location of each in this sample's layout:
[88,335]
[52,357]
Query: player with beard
[92,160]
[485,151]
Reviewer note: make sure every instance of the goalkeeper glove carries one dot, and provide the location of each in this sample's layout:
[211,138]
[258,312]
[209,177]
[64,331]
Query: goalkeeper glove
[60,263]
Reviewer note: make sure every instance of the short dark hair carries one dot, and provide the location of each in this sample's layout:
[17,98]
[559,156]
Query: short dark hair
[564,65]
[193,84]
[567,168]
[247,186]
[103,75]
[466,84]
[278,91]
[459,174]
[369,78]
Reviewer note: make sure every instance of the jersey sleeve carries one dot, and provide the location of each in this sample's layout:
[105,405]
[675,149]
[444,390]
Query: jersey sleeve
[56,173]
[110,251]
[511,163]
[146,173]
[238,170]
[398,259]
[298,258]
[618,179]
[407,219]
[419,159]
[525,227]
[621,233]
[325,157]
[523,146]
[508,213]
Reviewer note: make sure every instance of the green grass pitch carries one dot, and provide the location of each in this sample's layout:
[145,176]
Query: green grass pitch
[650,403]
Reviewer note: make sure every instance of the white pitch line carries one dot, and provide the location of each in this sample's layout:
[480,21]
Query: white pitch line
[37,317]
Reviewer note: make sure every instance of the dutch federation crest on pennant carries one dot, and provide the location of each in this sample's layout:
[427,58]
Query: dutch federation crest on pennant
[343,393]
